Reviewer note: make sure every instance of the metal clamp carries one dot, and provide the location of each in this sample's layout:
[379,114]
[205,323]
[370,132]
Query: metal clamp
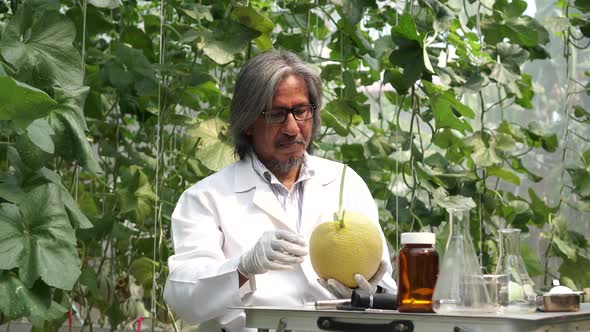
[282,324]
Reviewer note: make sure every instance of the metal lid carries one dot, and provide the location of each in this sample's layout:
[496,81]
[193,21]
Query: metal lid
[418,238]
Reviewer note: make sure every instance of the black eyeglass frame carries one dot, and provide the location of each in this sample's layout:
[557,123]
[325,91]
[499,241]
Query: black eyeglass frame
[289,111]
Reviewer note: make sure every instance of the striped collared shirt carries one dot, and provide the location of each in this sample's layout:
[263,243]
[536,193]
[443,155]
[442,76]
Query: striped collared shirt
[291,200]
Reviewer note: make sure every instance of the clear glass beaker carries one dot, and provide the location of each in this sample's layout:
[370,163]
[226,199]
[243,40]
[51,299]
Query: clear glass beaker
[517,293]
[460,287]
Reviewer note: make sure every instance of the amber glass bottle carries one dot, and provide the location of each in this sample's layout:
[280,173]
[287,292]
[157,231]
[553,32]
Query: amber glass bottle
[417,272]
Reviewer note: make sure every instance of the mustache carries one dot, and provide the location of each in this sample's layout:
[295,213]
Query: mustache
[289,141]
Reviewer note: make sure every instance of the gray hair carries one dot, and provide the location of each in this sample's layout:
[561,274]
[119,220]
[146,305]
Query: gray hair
[255,88]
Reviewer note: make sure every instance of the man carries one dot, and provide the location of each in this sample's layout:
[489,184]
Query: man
[241,234]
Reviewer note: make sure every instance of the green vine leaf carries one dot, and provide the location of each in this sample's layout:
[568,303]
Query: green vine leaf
[580,205]
[504,174]
[582,5]
[352,152]
[361,44]
[409,54]
[580,181]
[533,264]
[13,187]
[513,8]
[96,21]
[517,213]
[225,40]
[340,114]
[483,156]
[217,155]
[504,143]
[42,52]
[252,18]
[506,128]
[510,54]
[56,316]
[39,132]
[581,115]
[503,75]
[129,71]
[197,12]
[447,109]
[10,189]
[565,248]
[446,139]
[539,136]
[11,226]
[541,210]
[110,4]
[142,269]
[518,165]
[69,125]
[352,10]
[580,276]
[17,300]
[525,87]
[330,120]
[139,40]
[456,202]
[137,196]
[402,84]
[294,42]
[40,239]
[523,30]
[406,29]
[442,15]
[22,103]
[31,154]
[77,218]
[586,158]
[215,150]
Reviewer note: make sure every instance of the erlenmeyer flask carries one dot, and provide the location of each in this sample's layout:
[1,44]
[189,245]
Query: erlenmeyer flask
[459,287]
[517,292]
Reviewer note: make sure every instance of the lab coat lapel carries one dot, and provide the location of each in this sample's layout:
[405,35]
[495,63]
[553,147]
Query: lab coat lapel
[311,206]
[315,197]
[265,199]
[315,193]
[246,179]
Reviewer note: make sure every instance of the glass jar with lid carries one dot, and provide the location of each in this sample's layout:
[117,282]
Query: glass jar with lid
[417,272]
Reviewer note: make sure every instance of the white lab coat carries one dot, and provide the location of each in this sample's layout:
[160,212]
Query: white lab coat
[224,215]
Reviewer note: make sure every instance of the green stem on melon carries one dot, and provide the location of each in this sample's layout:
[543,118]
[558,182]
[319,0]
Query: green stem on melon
[340,214]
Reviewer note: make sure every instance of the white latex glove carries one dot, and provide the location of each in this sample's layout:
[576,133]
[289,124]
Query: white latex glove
[275,250]
[341,291]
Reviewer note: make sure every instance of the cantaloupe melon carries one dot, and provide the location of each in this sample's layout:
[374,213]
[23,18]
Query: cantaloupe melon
[349,244]
[341,248]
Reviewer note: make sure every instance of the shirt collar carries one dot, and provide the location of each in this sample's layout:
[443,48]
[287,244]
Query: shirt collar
[305,173]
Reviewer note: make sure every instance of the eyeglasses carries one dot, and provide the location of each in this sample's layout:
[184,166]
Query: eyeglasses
[279,115]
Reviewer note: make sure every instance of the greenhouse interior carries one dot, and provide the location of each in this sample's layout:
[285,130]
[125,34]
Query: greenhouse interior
[294,165]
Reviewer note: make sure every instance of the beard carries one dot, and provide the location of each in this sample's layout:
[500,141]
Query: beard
[284,166]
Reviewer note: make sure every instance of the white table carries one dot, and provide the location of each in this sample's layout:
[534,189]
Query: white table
[374,320]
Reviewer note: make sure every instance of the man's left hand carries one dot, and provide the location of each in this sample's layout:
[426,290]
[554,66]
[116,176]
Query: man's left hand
[341,291]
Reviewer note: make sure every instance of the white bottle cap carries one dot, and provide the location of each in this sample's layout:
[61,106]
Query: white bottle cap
[418,238]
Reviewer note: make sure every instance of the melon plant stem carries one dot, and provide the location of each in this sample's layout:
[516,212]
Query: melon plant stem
[340,213]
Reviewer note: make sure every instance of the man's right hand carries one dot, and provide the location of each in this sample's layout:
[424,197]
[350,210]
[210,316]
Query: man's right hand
[275,250]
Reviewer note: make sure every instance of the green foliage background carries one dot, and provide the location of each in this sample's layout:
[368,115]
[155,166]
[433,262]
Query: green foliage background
[110,109]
